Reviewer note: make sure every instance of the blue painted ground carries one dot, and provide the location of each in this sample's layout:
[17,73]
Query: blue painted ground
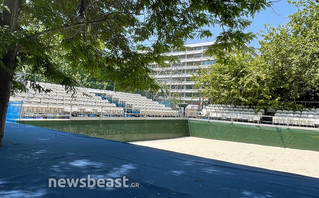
[31,155]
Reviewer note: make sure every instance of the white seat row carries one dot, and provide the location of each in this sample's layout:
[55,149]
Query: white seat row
[297,119]
[228,112]
[86,101]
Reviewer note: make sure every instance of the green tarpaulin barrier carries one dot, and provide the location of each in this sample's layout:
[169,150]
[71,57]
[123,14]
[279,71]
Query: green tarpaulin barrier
[256,134]
[151,129]
[120,130]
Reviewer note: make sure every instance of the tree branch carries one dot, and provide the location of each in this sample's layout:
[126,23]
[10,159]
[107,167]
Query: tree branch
[70,26]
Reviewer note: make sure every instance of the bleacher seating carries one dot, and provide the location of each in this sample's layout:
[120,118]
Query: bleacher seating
[228,112]
[192,111]
[87,102]
[307,117]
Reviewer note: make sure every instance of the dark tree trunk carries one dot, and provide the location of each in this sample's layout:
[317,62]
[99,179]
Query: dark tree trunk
[6,77]
[9,18]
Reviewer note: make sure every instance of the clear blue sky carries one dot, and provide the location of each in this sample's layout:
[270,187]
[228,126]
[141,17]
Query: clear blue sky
[274,16]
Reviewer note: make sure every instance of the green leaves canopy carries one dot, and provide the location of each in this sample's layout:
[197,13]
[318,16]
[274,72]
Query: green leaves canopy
[291,53]
[238,79]
[105,38]
[285,74]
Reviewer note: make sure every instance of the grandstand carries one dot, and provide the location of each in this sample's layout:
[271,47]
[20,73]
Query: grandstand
[228,112]
[192,111]
[87,102]
[298,118]
[304,118]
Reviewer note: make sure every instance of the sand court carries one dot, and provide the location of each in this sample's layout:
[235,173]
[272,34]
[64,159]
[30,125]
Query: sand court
[295,161]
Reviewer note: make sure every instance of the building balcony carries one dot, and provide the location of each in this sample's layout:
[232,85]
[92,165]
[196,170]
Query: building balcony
[184,90]
[171,76]
[158,69]
[185,52]
[181,83]
[191,99]
[196,59]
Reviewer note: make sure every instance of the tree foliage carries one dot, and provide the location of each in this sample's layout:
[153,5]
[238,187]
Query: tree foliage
[104,37]
[111,40]
[238,79]
[284,75]
[291,53]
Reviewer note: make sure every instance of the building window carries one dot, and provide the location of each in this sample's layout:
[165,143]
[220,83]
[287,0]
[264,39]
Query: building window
[176,79]
[191,71]
[197,48]
[177,87]
[189,95]
[197,55]
[190,56]
[208,62]
[189,86]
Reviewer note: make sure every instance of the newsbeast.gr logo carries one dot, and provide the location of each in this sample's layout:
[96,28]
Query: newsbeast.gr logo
[91,182]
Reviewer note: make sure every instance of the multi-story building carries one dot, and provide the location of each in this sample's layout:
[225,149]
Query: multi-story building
[178,75]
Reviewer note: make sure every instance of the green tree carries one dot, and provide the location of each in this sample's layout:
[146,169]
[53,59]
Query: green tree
[236,79]
[113,40]
[284,74]
[291,55]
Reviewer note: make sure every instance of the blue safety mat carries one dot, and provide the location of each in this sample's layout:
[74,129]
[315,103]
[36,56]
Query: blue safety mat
[13,112]
[31,155]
